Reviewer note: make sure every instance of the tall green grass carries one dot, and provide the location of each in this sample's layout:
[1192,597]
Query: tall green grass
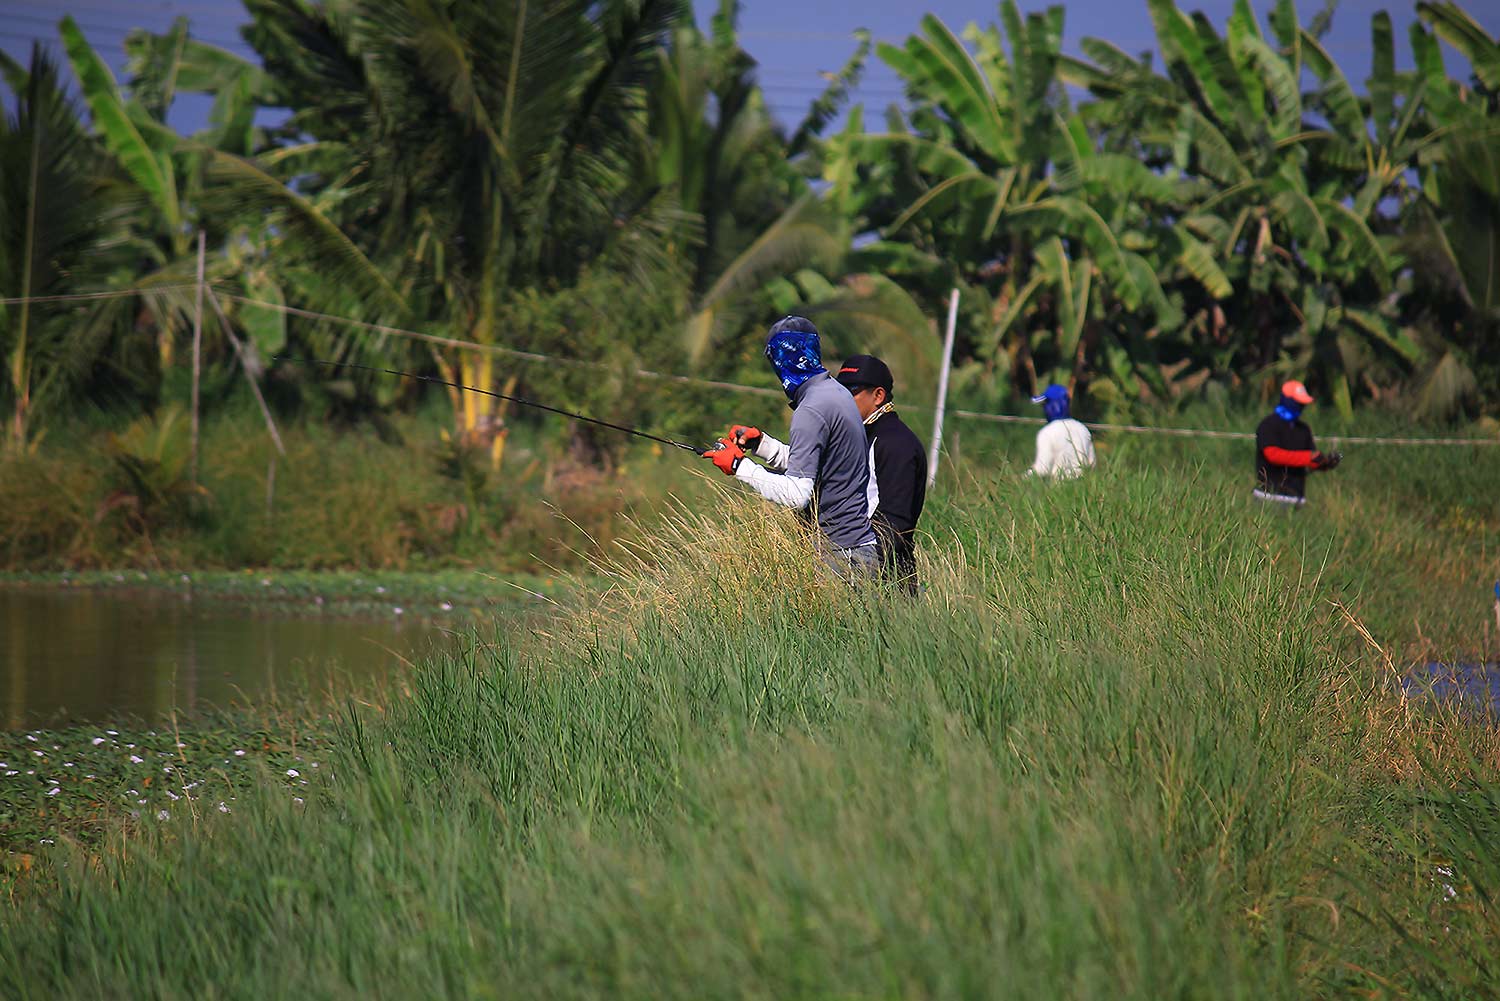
[1123,747]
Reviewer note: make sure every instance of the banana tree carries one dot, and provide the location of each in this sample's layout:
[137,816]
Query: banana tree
[1310,280]
[995,177]
[1453,225]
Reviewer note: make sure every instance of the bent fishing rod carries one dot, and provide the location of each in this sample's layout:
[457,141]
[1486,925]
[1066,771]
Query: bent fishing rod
[505,396]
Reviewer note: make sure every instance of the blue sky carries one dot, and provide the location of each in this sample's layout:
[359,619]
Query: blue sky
[794,42]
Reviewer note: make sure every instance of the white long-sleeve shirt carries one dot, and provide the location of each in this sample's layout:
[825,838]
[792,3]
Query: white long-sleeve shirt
[771,483]
[1063,448]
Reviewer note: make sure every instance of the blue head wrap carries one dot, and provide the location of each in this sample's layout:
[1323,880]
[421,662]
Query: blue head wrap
[1288,409]
[794,352]
[1054,401]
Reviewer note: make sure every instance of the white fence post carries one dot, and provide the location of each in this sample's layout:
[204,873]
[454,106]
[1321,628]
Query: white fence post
[942,393]
[197,356]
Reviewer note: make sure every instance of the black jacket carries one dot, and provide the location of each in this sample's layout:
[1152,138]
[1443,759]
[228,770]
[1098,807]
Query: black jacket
[901,478]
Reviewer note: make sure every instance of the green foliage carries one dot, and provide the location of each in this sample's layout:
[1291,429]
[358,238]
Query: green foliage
[1212,198]
[60,202]
[341,499]
[1242,213]
[150,472]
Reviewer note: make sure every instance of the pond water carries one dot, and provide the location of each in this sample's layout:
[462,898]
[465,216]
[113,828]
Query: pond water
[1474,689]
[71,655]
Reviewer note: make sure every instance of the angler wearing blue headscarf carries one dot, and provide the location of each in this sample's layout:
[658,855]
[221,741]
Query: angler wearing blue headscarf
[824,467]
[1063,446]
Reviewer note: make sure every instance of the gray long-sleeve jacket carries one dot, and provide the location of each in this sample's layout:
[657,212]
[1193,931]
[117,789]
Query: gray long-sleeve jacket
[825,464]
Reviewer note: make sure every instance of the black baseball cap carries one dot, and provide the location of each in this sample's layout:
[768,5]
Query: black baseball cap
[865,370]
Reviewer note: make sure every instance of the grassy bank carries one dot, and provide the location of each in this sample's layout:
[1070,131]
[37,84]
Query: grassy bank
[1128,745]
[396,497]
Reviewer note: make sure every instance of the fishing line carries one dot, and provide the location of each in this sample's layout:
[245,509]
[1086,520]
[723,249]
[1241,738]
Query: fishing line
[513,399]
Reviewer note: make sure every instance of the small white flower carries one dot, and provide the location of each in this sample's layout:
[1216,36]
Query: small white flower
[315,764]
[398,609]
[297,800]
[97,741]
[181,745]
[46,841]
[380,589]
[11,772]
[163,815]
[69,764]
[173,796]
[223,808]
[31,738]
[55,782]
[113,733]
[40,754]
[239,754]
[446,606]
[293,772]
[136,759]
[54,790]
[140,802]
[186,578]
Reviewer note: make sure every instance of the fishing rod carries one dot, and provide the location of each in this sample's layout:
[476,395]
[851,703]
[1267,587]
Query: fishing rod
[513,399]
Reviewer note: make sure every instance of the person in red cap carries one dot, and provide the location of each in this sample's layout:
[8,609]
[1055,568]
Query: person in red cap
[1284,450]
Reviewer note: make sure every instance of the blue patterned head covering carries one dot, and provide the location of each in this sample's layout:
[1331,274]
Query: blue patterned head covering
[1054,401]
[794,352]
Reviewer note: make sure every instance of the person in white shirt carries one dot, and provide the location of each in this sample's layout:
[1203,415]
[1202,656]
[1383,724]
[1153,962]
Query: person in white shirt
[1063,446]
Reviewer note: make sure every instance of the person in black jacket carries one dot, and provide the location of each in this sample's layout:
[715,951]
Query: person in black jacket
[1284,450]
[898,464]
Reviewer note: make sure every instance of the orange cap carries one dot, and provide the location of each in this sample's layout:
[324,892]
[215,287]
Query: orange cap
[1296,391]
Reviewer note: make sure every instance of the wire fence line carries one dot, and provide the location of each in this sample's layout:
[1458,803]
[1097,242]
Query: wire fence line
[90,296]
[1237,435]
[496,349]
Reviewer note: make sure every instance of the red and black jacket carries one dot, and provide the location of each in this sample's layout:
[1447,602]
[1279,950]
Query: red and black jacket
[1283,454]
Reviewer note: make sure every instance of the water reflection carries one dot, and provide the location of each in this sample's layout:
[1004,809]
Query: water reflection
[84,655]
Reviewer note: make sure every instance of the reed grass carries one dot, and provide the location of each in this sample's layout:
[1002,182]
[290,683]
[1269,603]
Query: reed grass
[1137,740]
